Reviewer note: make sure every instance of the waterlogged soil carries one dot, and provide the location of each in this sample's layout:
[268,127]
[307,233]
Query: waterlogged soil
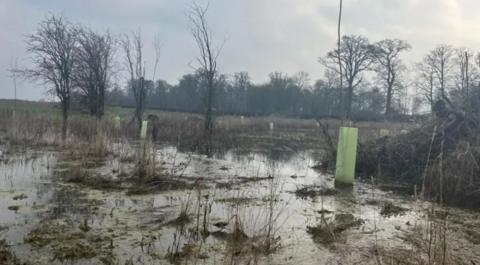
[234,204]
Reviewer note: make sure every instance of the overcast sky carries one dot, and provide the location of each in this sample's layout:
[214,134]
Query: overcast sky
[261,36]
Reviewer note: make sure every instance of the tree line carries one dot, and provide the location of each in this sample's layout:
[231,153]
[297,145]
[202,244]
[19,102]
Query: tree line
[375,82]
[237,94]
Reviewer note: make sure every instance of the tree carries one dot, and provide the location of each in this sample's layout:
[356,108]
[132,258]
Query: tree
[207,63]
[133,49]
[389,66]
[286,95]
[327,96]
[369,103]
[94,56]
[117,97]
[439,60]
[465,73]
[241,84]
[223,93]
[188,93]
[356,57]
[160,96]
[425,83]
[302,80]
[51,49]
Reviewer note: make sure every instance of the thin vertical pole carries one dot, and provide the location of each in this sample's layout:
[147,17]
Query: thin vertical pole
[14,118]
[466,72]
[15,93]
[339,36]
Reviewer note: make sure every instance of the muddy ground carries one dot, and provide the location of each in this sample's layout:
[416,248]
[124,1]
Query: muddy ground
[262,206]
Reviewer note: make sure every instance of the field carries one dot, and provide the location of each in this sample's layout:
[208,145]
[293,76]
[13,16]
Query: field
[53,109]
[263,197]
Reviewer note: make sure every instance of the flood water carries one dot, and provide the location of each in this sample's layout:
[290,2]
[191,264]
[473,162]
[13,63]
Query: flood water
[48,221]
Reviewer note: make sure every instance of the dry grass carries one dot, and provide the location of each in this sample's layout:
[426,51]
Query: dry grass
[183,130]
[253,232]
[430,243]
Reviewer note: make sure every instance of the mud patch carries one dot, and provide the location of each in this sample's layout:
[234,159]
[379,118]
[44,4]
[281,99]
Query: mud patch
[66,242]
[14,208]
[235,200]
[7,257]
[191,250]
[76,251]
[389,209]
[312,192]
[160,184]
[182,219]
[20,197]
[329,231]
[96,182]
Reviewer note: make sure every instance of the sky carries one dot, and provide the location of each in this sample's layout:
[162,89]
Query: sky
[258,36]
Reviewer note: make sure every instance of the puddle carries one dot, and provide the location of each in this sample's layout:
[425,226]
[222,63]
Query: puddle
[56,222]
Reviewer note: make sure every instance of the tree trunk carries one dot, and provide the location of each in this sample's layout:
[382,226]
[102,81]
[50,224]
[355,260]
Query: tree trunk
[388,105]
[64,120]
[92,104]
[349,101]
[140,103]
[138,117]
[431,93]
[209,114]
[101,103]
[466,74]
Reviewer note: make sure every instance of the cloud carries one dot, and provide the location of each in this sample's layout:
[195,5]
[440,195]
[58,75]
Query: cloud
[261,35]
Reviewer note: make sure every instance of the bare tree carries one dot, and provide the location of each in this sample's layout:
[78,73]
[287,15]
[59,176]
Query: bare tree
[133,49]
[425,83]
[389,67]
[302,80]
[466,72]
[94,57]
[356,57]
[51,49]
[207,62]
[440,60]
[241,82]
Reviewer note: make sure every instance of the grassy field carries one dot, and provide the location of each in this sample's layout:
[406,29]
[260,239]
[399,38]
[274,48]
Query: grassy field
[53,108]
[23,106]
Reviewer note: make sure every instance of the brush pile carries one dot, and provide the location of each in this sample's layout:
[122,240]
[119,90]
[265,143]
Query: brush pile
[440,158]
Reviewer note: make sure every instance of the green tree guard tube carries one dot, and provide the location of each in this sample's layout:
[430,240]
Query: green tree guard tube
[143,131]
[346,155]
[117,123]
[384,132]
